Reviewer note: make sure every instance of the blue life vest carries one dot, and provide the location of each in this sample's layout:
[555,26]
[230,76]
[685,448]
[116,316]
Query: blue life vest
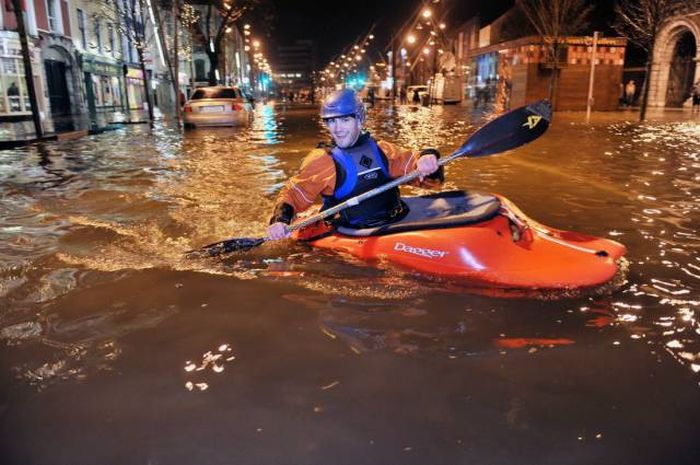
[359,169]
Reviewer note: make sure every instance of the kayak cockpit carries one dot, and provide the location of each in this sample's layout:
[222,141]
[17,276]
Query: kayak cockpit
[436,211]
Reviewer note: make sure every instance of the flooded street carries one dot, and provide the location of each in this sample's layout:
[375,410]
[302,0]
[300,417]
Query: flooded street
[114,348]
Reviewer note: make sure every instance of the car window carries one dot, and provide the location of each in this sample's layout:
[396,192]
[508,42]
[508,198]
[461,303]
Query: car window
[215,93]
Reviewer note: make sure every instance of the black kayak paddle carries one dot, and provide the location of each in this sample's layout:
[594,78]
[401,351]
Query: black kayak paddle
[505,132]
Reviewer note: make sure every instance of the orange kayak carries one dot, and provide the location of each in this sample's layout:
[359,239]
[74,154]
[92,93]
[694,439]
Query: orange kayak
[479,239]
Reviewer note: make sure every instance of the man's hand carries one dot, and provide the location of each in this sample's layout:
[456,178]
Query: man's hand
[426,165]
[277,231]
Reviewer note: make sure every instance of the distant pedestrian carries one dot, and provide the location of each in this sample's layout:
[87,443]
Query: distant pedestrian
[621,94]
[403,99]
[416,97]
[696,97]
[13,97]
[13,90]
[630,91]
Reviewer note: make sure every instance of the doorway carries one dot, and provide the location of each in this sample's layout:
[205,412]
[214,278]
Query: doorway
[682,70]
[58,87]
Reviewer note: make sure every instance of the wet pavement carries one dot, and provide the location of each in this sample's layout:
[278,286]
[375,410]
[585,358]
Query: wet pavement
[116,349]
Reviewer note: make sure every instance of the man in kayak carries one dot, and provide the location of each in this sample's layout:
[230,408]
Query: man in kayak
[355,163]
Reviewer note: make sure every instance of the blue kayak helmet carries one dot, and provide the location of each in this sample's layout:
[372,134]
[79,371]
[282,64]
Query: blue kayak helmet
[344,102]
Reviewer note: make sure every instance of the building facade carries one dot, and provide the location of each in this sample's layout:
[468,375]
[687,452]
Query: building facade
[513,73]
[295,64]
[497,67]
[84,57]
[14,97]
[100,49]
[676,62]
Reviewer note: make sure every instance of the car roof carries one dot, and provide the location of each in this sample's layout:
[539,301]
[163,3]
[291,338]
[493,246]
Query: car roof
[217,87]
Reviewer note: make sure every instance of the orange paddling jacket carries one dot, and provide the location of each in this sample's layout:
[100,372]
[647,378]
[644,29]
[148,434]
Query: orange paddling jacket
[318,177]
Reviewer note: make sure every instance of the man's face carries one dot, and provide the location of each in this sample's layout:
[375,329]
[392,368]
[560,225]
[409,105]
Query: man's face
[344,129]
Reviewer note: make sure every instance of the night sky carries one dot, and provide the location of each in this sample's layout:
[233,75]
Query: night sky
[337,24]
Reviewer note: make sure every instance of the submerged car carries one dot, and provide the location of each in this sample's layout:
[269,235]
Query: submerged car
[217,106]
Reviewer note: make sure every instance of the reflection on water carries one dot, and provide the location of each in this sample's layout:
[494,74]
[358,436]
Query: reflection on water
[95,292]
[662,303]
[213,362]
[87,221]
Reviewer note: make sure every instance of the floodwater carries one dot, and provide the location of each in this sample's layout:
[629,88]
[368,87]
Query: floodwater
[114,349]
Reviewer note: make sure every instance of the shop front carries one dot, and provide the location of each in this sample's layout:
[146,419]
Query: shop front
[482,78]
[14,97]
[102,83]
[134,85]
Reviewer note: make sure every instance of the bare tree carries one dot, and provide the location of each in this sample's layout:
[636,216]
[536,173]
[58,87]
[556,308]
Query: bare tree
[214,19]
[640,21]
[554,20]
[162,11]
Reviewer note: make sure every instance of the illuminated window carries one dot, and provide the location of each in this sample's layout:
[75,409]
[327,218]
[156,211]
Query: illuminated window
[13,92]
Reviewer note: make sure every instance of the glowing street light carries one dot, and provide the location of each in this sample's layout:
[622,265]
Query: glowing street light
[411,39]
[427,13]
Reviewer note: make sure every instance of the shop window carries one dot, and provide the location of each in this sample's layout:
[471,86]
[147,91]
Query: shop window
[13,91]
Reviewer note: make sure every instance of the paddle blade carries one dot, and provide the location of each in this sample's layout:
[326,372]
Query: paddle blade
[508,131]
[240,244]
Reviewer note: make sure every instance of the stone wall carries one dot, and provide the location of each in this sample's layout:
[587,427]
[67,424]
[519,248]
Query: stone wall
[663,55]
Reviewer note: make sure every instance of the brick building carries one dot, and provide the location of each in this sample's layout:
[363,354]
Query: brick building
[499,65]
[519,71]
